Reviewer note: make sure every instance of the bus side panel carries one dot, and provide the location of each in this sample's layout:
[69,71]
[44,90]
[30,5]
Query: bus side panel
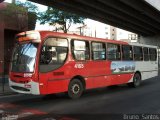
[122,71]
[108,80]
[97,72]
[57,86]
[50,84]
[148,69]
[100,73]
[94,74]
[43,77]
[55,81]
[124,78]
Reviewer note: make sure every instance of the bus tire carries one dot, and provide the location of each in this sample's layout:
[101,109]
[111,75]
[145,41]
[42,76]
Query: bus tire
[136,81]
[75,89]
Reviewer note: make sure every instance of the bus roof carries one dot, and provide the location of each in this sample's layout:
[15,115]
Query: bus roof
[45,34]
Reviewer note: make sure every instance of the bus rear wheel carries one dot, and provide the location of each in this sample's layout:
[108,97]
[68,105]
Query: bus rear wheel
[75,89]
[136,81]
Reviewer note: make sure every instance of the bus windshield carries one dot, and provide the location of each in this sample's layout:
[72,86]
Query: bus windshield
[23,59]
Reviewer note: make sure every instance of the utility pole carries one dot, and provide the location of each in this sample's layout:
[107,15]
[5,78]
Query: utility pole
[95,33]
[81,28]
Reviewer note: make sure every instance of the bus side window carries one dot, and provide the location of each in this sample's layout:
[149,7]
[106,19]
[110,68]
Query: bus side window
[80,50]
[127,52]
[53,54]
[98,51]
[146,54]
[138,53]
[113,51]
[153,54]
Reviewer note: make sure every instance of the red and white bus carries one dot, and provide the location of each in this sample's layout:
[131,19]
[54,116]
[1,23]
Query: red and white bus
[46,62]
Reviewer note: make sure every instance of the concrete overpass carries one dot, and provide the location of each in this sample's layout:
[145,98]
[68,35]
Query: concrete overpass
[137,16]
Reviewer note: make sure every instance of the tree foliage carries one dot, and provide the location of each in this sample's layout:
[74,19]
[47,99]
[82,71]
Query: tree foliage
[19,7]
[64,19]
[31,7]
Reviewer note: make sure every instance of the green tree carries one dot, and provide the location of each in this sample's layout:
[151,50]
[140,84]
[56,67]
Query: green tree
[64,20]
[20,7]
[32,12]
[31,7]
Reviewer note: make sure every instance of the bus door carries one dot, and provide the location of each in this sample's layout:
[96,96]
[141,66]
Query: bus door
[52,69]
[99,66]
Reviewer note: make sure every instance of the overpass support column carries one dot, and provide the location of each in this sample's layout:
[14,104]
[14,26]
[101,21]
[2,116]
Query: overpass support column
[1,48]
[153,40]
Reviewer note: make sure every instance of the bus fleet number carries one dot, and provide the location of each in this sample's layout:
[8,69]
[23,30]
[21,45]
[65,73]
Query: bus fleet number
[79,66]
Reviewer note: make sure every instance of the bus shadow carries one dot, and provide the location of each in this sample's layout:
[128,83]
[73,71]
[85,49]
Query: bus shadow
[40,101]
[115,89]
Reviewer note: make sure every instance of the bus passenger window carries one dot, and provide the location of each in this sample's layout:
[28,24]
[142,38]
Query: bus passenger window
[113,51]
[153,54]
[138,53]
[98,51]
[127,52]
[53,54]
[146,54]
[80,50]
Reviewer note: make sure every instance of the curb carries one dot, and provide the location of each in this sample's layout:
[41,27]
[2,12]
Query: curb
[8,94]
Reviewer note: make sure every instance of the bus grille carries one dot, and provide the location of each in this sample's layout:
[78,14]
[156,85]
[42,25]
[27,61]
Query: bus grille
[20,88]
[22,82]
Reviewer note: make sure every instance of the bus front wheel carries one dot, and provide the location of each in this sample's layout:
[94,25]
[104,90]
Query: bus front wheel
[75,89]
[136,81]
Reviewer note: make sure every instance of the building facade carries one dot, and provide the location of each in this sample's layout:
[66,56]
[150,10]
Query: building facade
[11,23]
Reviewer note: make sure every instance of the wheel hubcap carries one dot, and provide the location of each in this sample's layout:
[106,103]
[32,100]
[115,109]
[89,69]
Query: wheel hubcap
[75,89]
[137,81]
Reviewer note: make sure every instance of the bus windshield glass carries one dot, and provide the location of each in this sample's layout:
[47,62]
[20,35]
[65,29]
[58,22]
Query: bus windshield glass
[24,55]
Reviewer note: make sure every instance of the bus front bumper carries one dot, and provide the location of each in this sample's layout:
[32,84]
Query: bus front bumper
[27,88]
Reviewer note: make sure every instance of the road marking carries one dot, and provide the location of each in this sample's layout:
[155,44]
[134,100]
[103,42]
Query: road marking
[34,111]
[49,118]
[1,111]
[7,105]
[67,118]
[21,111]
[25,114]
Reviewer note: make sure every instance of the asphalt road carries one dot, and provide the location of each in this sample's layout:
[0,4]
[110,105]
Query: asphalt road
[120,102]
